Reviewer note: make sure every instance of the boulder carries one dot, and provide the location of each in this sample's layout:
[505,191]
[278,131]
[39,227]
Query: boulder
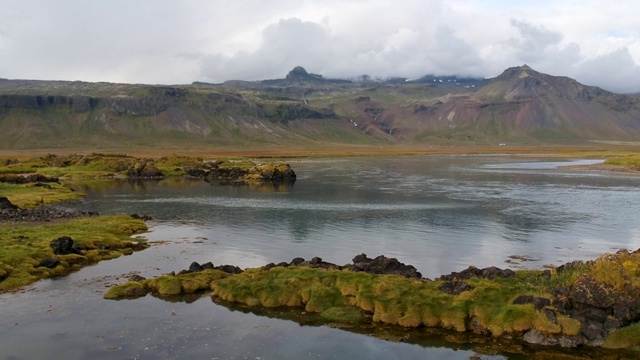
[455,287]
[486,273]
[383,265]
[49,263]
[5,204]
[195,267]
[63,245]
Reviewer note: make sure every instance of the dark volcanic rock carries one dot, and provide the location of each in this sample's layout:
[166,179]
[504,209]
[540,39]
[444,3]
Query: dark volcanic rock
[41,213]
[49,263]
[383,265]
[455,287]
[144,169]
[5,204]
[486,273]
[586,290]
[195,267]
[538,302]
[63,246]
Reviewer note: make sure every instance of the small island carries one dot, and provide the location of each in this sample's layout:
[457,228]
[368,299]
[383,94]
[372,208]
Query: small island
[593,303]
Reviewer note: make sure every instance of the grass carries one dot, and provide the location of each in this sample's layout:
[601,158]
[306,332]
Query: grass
[391,299]
[31,195]
[632,161]
[22,247]
[345,297]
[166,285]
[627,337]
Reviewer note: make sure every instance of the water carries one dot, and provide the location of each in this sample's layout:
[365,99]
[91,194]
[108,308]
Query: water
[440,214]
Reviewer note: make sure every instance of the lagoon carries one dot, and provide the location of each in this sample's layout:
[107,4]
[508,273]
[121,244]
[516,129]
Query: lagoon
[440,214]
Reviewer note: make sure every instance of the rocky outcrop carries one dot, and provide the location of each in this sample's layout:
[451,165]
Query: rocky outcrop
[10,212]
[486,273]
[144,169]
[278,173]
[196,267]
[5,204]
[383,265]
[361,263]
[25,179]
[64,245]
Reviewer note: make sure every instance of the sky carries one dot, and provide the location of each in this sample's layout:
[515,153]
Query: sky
[177,42]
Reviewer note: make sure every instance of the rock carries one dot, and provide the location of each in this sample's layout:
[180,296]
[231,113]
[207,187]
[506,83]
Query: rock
[143,217]
[49,263]
[593,331]
[551,315]
[538,302]
[207,266]
[63,246]
[486,273]
[230,269]
[534,337]
[144,169]
[572,265]
[586,290]
[39,214]
[383,265]
[455,287]
[5,204]
[195,267]
[296,261]
[136,277]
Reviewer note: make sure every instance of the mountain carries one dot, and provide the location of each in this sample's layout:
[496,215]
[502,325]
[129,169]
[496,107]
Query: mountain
[520,106]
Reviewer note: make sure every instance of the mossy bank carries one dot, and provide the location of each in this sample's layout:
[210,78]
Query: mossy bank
[33,251]
[591,303]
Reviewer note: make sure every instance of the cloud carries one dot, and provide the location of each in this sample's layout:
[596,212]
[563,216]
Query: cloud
[179,42]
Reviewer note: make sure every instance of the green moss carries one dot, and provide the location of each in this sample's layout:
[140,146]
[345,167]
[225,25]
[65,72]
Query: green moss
[30,195]
[392,299]
[342,314]
[166,285]
[129,290]
[23,246]
[625,338]
[632,161]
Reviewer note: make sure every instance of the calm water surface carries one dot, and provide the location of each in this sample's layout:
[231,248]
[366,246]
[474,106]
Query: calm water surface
[440,214]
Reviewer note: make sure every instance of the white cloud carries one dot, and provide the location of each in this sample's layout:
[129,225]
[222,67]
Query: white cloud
[178,42]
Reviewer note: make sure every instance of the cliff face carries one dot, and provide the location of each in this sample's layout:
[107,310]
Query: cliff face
[519,106]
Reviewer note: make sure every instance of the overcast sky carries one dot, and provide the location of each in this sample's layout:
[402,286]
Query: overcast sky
[178,41]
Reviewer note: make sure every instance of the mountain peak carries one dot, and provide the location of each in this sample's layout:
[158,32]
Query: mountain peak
[300,74]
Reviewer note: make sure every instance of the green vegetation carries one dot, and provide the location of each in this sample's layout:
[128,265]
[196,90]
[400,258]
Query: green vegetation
[23,247]
[393,299]
[345,297]
[627,337]
[166,285]
[31,195]
[631,161]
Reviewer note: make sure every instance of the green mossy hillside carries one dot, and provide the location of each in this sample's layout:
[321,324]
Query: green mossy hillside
[24,246]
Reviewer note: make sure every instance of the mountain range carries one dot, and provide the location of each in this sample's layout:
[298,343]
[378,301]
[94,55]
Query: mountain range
[520,106]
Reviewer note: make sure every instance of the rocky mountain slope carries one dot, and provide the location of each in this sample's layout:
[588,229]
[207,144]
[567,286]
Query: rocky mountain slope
[519,106]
